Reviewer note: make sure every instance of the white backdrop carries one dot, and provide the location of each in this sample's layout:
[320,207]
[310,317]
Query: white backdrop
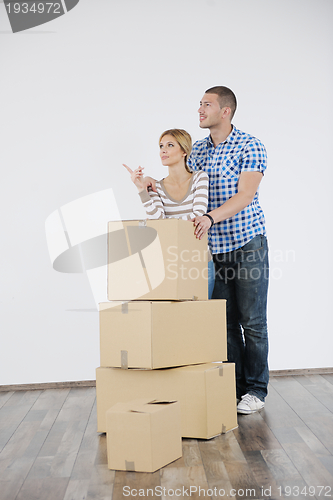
[93,89]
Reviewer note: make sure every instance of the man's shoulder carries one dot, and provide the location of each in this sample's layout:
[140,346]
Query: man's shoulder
[245,138]
[250,150]
[198,154]
[200,144]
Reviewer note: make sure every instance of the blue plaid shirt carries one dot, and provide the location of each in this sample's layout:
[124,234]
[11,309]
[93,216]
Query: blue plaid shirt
[240,152]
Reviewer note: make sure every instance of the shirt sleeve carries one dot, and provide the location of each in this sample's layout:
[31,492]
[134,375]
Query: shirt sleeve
[200,195]
[152,204]
[254,158]
[193,160]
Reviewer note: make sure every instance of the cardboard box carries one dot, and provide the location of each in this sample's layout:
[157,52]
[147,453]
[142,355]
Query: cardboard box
[206,392]
[142,334]
[156,259]
[143,435]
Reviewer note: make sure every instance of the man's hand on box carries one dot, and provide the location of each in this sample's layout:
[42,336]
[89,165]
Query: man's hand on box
[201,224]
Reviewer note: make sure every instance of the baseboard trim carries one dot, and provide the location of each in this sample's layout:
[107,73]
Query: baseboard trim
[48,385]
[301,371]
[92,383]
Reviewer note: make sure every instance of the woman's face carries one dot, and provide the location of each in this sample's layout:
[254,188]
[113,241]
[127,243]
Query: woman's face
[170,151]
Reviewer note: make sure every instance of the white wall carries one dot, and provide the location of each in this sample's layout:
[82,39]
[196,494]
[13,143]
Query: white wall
[94,88]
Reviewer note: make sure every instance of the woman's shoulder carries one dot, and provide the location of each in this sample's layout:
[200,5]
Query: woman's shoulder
[159,184]
[200,175]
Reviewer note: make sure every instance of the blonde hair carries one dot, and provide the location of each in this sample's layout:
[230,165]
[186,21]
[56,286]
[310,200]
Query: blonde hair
[184,140]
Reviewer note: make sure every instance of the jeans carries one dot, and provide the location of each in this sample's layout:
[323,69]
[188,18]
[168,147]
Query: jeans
[211,278]
[241,277]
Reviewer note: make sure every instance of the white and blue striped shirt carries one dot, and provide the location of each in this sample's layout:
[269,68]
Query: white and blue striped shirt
[240,152]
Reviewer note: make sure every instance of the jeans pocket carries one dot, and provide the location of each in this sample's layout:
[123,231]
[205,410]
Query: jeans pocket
[255,250]
[253,245]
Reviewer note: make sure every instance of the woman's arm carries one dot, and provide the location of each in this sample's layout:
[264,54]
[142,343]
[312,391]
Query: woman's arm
[151,201]
[136,176]
[152,204]
[149,182]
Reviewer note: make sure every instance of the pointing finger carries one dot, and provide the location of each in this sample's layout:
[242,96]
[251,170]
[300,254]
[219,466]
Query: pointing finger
[128,169]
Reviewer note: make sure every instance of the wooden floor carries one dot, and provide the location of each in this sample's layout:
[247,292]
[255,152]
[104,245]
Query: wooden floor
[50,450]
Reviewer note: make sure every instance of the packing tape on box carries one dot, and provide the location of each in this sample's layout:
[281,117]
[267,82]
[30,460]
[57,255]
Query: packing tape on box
[194,297]
[142,223]
[124,308]
[221,371]
[224,429]
[124,359]
[129,465]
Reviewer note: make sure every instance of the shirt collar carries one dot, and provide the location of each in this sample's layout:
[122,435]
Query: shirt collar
[231,137]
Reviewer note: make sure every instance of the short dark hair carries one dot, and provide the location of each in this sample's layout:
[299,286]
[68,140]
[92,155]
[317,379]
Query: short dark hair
[226,97]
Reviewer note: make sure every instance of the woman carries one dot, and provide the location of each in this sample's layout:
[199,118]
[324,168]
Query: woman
[182,194]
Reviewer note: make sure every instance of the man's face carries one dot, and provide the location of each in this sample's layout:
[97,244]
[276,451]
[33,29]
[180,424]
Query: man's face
[210,113]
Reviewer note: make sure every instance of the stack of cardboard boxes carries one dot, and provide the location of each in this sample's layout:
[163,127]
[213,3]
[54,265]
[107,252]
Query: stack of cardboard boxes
[161,339]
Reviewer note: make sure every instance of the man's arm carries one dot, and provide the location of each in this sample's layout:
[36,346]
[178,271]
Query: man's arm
[247,187]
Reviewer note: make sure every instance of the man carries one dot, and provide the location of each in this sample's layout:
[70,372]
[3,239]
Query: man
[235,163]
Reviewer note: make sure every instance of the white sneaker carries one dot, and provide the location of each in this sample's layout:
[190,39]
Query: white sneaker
[249,404]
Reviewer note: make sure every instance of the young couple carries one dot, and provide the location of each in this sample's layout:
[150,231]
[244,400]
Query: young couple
[232,163]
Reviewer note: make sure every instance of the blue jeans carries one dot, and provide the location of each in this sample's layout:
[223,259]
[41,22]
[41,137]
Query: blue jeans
[211,278]
[241,277]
